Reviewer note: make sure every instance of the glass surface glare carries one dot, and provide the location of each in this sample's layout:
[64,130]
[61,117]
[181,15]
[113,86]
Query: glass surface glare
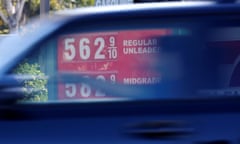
[134,64]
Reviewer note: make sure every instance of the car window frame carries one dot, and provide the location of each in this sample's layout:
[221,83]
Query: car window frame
[191,106]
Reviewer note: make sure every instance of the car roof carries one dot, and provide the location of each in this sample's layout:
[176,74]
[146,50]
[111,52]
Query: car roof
[135,7]
[186,8]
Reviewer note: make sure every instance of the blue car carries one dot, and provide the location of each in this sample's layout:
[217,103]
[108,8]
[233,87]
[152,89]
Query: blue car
[140,73]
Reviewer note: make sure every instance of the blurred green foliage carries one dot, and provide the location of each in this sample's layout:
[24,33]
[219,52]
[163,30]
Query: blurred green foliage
[35,89]
[32,8]
[4,29]
[55,5]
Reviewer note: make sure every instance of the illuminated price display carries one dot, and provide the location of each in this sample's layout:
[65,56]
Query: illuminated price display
[124,57]
[89,48]
[82,90]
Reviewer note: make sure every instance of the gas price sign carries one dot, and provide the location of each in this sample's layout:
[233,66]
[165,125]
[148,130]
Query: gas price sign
[125,57]
[112,2]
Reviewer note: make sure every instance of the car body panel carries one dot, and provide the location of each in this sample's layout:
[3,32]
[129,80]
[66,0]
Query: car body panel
[204,118]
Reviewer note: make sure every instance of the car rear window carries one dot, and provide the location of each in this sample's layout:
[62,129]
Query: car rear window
[155,59]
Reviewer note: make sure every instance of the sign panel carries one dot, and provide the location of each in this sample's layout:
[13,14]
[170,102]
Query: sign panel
[112,2]
[128,57]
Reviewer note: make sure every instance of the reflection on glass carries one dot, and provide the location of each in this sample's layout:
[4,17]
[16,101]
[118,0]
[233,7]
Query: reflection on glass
[109,61]
[134,64]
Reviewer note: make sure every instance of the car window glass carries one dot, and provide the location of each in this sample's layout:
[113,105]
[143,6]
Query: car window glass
[154,61]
